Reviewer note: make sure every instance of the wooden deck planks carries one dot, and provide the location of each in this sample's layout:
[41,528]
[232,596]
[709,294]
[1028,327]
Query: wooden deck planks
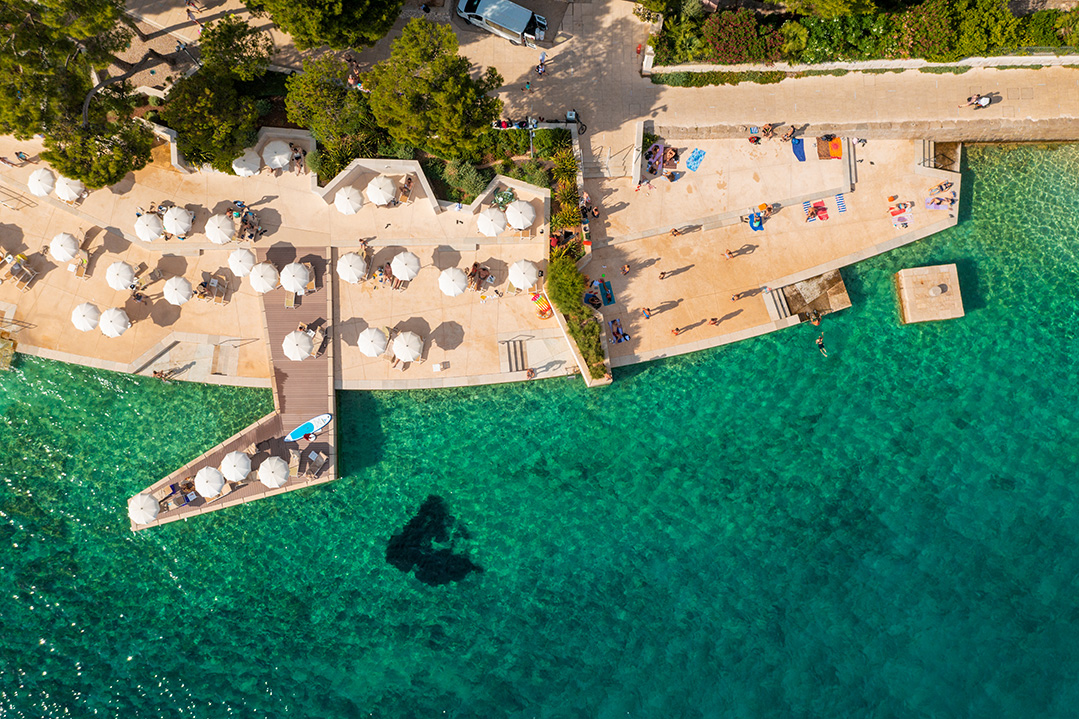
[302,390]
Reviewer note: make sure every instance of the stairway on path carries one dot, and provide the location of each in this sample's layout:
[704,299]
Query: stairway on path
[513,358]
[776,304]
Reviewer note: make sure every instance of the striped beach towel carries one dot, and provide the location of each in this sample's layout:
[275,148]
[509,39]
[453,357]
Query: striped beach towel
[840,202]
[805,206]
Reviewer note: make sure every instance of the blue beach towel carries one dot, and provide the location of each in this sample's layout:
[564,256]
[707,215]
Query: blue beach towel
[799,149]
[607,295]
[841,202]
[694,160]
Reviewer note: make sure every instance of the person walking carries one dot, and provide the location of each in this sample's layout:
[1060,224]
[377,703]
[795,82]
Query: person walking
[676,331]
[647,313]
[662,275]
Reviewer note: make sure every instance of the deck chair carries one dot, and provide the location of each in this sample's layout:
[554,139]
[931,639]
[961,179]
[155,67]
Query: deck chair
[315,462]
[310,285]
[25,279]
[290,300]
[294,463]
[220,287]
[155,275]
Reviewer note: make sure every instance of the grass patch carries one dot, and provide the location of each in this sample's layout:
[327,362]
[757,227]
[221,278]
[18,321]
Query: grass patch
[949,70]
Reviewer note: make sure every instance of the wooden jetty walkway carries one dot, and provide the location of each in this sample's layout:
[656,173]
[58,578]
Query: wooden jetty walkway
[301,390]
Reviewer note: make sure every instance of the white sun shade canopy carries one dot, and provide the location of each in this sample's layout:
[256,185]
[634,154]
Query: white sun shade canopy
[114,322]
[381,190]
[452,281]
[148,228]
[85,317]
[263,277]
[209,482]
[241,262]
[64,247]
[351,268]
[348,200]
[298,346]
[220,229]
[177,291]
[277,154]
[405,266]
[41,182]
[120,275]
[407,346]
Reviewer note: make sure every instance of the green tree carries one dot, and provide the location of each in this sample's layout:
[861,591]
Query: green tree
[213,122]
[231,46]
[319,99]
[984,27]
[425,96]
[830,8]
[99,156]
[337,23]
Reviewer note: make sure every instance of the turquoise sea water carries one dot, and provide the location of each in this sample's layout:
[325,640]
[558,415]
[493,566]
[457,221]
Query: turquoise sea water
[753,531]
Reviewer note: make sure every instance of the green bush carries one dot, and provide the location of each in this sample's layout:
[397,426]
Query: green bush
[947,70]
[567,216]
[152,116]
[154,101]
[1039,29]
[263,107]
[1068,27]
[531,172]
[548,142]
[716,77]
[565,165]
[566,193]
[397,151]
[848,38]
[464,176]
[737,36]
[335,157]
[566,288]
[985,27]
[795,37]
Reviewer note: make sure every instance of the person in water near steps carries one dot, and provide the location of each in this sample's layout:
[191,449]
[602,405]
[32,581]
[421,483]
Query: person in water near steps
[820,345]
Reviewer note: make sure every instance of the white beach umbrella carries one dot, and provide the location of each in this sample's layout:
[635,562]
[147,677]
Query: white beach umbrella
[69,190]
[405,266]
[209,482]
[452,281]
[177,291]
[520,215]
[63,247]
[523,274]
[273,472]
[407,346]
[120,275]
[177,221]
[348,200]
[247,164]
[263,277]
[295,277]
[235,466]
[351,268]
[491,222]
[148,228]
[381,190]
[298,345]
[114,322]
[372,342]
[142,509]
[220,229]
[85,317]
[41,182]
[277,154]
[241,261]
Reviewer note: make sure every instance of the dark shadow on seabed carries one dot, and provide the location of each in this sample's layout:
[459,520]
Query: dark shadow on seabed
[359,432]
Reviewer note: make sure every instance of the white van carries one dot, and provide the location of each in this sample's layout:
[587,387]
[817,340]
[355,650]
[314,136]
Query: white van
[505,19]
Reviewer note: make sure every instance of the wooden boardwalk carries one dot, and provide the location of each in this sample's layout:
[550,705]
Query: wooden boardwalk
[302,390]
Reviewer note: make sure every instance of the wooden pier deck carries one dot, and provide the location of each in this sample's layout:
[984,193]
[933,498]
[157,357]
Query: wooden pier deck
[302,390]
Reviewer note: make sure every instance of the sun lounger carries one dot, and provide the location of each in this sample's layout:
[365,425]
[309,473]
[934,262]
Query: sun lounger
[310,285]
[294,463]
[316,461]
[290,300]
[25,278]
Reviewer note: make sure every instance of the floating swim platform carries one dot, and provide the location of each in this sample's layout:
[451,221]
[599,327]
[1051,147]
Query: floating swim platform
[309,427]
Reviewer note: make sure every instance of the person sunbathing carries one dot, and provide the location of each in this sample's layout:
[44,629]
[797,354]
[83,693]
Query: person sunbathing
[941,188]
[788,135]
[767,130]
[812,214]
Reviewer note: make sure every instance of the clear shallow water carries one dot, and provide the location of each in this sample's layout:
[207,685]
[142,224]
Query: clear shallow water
[749,532]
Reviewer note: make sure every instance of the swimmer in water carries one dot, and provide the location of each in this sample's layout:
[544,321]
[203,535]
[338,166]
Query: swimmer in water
[820,345]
